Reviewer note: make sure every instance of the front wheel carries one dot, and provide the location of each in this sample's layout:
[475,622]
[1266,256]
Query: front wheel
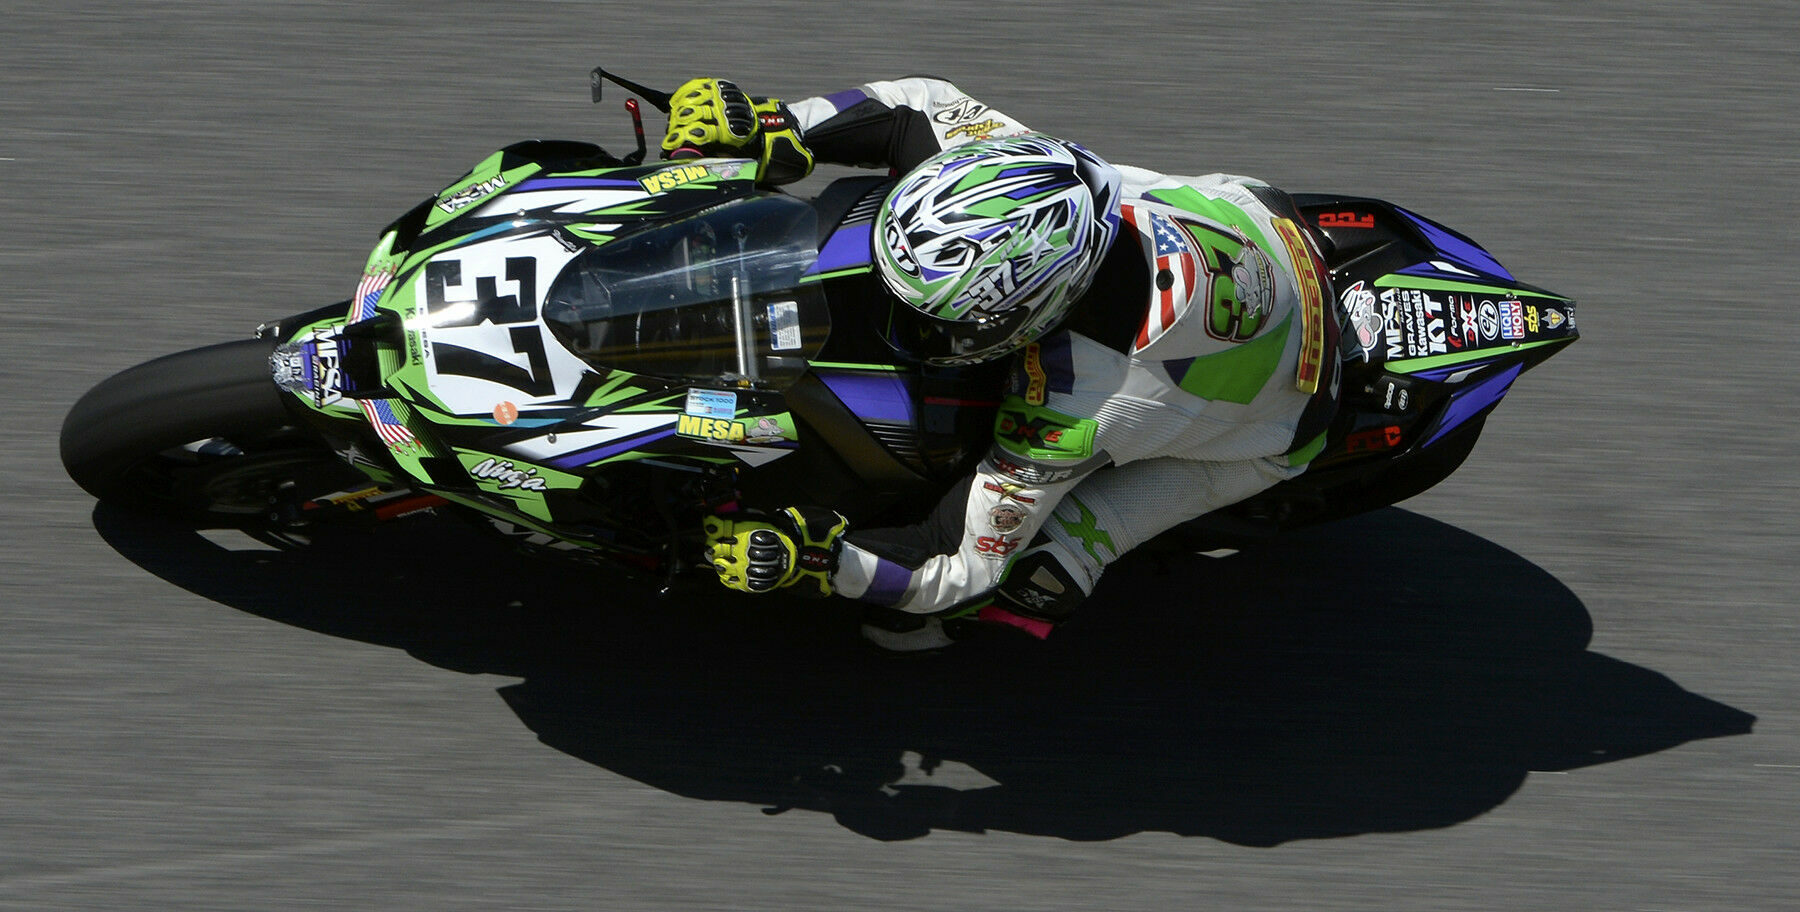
[203,435]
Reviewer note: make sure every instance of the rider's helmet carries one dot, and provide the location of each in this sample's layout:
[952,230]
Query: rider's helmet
[989,244]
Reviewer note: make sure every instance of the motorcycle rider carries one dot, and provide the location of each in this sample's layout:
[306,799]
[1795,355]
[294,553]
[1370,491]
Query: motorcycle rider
[1174,346]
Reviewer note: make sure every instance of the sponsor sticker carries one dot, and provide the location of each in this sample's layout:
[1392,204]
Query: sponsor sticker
[996,546]
[1365,320]
[761,431]
[470,194]
[959,111]
[1512,319]
[1312,306]
[506,413]
[1036,383]
[711,404]
[670,178]
[1349,219]
[980,130]
[1490,321]
[1008,491]
[1005,518]
[1415,324]
[1553,318]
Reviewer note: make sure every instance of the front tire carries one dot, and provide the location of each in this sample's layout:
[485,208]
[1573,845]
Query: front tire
[201,435]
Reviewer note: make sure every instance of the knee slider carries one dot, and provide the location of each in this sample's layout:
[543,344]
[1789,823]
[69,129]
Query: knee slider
[1040,586]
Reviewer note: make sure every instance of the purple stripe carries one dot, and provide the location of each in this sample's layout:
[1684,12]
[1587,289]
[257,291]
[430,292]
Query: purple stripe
[889,585]
[847,247]
[873,397]
[558,183]
[1058,362]
[1467,401]
[1456,249]
[1439,373]
[597,453]
[846,99]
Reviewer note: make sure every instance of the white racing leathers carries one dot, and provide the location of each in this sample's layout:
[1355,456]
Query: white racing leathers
[1100,447]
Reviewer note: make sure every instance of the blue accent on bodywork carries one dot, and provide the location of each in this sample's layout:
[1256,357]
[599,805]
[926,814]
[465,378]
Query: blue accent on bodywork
[1455,248]
[606,450]
[873,397]
[847,248]
[1467,402]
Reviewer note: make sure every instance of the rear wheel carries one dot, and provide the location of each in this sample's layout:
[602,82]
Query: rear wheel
[202,435]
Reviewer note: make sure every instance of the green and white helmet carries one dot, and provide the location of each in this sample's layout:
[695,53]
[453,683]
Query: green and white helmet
[989,244]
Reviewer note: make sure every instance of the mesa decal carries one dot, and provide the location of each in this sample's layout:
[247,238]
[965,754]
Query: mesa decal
[761,431]
[470,194]
[670,178]
[1312,306]
[1415,323]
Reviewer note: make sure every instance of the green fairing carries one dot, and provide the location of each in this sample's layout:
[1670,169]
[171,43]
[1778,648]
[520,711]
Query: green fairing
[1240,373]
[1218,210]
[482,179]
[525,500]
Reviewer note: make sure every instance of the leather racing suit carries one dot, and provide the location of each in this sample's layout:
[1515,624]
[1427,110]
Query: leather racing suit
[1199,370]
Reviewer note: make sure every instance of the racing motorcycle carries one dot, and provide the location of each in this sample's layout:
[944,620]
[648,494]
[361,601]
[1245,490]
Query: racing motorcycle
[591,353]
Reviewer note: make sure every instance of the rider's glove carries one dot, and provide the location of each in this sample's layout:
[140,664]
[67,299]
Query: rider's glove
[715,117]
[757,554]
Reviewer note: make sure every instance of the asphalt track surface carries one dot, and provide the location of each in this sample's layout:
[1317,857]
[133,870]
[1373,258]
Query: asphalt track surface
[1563,679]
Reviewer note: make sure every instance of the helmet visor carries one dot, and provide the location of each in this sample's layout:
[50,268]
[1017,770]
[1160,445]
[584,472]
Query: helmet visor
[935,340]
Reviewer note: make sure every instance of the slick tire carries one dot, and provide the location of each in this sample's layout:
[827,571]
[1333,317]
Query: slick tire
[199,434]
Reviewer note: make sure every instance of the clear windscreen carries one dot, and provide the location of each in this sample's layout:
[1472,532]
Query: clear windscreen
[715,296]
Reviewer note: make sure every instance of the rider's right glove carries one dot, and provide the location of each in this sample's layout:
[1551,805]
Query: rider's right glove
[715,117]
[797,545]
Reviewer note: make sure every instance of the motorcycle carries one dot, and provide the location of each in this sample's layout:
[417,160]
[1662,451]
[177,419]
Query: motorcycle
[591,353]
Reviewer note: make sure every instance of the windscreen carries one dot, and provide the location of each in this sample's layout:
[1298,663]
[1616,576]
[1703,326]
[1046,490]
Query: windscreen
[715,296]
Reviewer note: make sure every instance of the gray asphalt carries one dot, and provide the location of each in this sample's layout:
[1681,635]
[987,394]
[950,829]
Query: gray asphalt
[1565,678]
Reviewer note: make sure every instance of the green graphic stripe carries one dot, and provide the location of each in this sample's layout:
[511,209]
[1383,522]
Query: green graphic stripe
[1218,210]
[836,274]
[1411,365]
[1305,454]
[854,366]
[1424,284]
[1238,374]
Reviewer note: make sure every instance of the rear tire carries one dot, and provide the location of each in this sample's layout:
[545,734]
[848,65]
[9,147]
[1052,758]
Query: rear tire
[202,435]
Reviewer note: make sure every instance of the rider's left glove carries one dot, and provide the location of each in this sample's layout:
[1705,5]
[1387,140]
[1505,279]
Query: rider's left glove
[796,547]
[715,117]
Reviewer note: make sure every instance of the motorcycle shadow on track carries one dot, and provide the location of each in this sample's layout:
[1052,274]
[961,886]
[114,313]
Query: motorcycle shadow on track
[1384,673]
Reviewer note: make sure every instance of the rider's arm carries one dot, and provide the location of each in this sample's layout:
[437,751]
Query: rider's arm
[962,552]
[897,123]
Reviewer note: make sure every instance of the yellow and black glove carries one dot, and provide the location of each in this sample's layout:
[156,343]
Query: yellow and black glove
[753,553]
[714,117]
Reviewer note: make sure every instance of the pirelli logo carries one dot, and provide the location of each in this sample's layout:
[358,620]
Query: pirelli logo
[1036,383]
[1312,306]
